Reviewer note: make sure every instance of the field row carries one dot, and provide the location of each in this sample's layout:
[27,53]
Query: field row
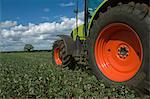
[32,75]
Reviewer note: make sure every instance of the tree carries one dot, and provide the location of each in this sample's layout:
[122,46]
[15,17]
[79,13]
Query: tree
[28,47]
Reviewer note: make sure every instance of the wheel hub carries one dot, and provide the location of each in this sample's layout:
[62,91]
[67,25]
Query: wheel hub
[123,51]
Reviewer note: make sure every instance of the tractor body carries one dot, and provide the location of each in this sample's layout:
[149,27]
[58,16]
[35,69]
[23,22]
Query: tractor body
[113,42]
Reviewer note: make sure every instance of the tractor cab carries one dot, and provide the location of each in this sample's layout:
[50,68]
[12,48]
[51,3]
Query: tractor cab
[90,9]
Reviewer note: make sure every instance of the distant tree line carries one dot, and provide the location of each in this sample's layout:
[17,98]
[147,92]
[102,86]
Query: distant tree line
[27,48]
[25,51]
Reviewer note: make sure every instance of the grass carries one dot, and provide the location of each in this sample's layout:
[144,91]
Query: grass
[30,75]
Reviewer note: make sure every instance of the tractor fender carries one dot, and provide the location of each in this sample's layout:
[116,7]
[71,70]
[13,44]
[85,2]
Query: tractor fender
[106,4]
[69,43]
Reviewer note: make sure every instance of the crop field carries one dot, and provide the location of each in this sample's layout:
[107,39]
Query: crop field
[31,75]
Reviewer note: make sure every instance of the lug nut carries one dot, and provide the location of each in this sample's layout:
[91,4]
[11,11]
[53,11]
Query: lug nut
[109,50]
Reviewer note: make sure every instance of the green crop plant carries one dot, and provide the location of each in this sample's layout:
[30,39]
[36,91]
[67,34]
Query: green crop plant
[29,75]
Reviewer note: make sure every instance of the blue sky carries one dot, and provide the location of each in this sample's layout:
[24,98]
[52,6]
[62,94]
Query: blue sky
[36,11]
[37,22]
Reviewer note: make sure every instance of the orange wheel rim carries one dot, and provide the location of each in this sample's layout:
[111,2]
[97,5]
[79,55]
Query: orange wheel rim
[118,52]
[57,57]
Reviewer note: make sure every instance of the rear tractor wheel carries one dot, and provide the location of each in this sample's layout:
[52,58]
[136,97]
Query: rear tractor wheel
[120,46]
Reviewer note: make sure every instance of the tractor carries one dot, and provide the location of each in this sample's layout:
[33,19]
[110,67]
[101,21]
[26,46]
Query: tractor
[113,42]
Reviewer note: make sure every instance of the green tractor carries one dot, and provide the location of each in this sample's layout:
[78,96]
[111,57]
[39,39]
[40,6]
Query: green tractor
[113,42]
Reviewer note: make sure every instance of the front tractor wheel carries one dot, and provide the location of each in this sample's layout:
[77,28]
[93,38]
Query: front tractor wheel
[59,55]
[120,46]
[56,56]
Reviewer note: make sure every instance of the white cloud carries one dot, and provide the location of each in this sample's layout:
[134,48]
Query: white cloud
[67,4]
[46,9]
[81,15]
[8,24]
[39,35]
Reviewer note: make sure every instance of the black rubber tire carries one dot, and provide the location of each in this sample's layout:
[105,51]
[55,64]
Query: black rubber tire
[138,17]
[67,60]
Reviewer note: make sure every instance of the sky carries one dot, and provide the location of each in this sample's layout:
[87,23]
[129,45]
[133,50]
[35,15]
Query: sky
[36,22]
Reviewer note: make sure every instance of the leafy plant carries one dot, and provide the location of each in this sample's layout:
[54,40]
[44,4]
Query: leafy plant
[30,75]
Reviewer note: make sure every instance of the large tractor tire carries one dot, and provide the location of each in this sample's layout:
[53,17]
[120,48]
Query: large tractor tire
[59,55]
[120,52]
